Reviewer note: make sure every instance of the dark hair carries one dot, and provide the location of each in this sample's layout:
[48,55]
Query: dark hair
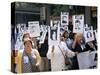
[64,34]
[26,41]
[71,35]
[77,21]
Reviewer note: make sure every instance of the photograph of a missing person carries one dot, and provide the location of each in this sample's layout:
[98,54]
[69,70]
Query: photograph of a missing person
[78,22]
[64,18]
[39,43]
[88,34]
[54,30]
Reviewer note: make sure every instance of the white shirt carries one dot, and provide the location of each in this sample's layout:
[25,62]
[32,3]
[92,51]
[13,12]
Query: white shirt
[64,47]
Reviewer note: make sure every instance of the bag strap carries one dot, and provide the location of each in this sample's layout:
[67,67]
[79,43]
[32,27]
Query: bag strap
[61,51]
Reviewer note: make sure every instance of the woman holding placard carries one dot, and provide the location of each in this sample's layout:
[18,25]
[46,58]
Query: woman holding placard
[77,47]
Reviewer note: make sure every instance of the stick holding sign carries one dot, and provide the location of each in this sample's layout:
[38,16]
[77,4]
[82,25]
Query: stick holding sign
[95,33]
[83,60]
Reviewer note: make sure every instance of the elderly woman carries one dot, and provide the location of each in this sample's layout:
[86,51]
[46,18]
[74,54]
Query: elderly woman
[56,54]
[28,59]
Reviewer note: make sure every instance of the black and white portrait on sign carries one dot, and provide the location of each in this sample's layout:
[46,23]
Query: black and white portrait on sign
[88,34]
[43,32]
[21,28]
[78,23]
[64,18]
[54,31]
[33,27]
[53,34]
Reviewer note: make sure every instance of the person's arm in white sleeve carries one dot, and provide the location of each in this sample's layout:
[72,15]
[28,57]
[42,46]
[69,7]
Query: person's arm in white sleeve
[68,51]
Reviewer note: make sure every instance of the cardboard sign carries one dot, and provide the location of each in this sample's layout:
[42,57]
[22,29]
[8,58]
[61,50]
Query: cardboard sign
[19,44]
[86,60]
[44,30]
[54,32]
[42,37]
[78,23]
[21,28]
[19,31]
[83,60]
[64,18]
[33,27]
[88,34]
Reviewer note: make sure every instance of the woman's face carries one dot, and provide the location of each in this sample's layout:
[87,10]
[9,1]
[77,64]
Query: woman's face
[28,46]
[66,34]
[62,38]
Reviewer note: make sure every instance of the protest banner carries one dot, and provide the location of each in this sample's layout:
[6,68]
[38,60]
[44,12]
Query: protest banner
[54,33]
[64,18]
[43,32]
[21,27]
[83,60]
[86,60]
[88,34]
[78,23]
[33,27]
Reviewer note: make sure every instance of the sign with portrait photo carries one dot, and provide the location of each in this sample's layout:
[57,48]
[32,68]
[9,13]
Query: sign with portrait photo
[78,23]
[54,32]
[43,32]
[19,31]
[64,18]
[33,27]
[88,34]
[21,27]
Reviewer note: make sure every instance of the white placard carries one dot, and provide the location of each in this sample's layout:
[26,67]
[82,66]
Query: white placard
[33,27]
[42,37]
[86,60]
[64,18]
[21,28]
[19,44]
[93,62]
[78,23]
[54,33]
[83,60]
[88,34]
[44,30]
